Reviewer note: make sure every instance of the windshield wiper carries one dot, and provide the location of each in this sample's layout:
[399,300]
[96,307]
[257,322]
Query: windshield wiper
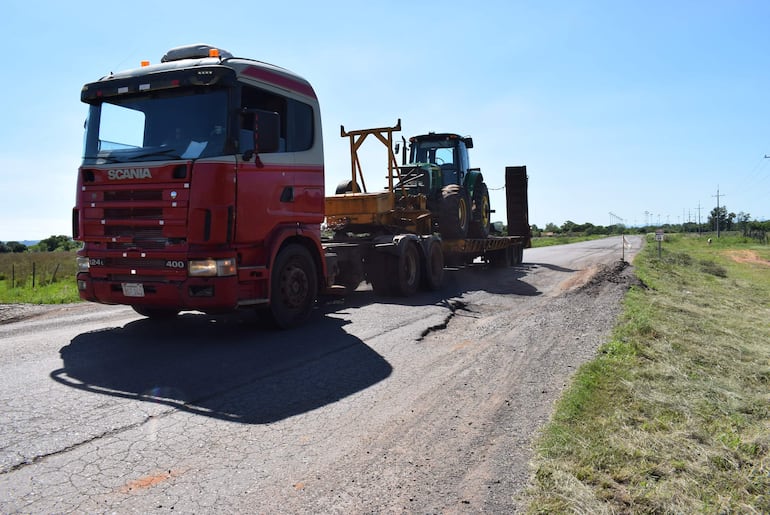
[171,152]
[103,159]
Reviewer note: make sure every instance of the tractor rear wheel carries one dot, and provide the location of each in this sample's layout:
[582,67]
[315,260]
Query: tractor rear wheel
[481,212]
[455,215]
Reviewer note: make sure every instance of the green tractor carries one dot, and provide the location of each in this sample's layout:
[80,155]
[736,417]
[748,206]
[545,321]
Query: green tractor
[456,194]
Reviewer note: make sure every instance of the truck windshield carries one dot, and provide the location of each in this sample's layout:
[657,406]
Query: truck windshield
[158,126]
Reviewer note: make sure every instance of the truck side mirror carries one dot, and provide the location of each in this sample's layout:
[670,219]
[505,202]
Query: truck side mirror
[266,129]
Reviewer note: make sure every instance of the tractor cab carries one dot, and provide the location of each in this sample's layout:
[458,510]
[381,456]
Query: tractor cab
[449,152]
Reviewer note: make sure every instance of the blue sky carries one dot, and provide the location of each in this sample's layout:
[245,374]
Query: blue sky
[640,109]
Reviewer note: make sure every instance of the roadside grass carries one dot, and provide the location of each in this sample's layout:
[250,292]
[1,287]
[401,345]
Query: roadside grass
[673,415]
[54,278]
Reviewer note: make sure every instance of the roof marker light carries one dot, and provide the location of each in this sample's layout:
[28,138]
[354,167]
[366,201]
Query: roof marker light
[213,52]
[145,64]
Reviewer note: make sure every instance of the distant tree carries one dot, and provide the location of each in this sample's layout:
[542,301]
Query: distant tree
[55,243]
[599,229]
[552,227]
[15,246]
[742,221]
[720,217]
[4,249]
[568,226]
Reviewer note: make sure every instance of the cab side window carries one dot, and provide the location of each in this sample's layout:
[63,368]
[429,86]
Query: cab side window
[296,119]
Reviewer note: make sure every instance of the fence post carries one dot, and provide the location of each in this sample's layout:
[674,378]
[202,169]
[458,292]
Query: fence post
[33,275]
[53,277]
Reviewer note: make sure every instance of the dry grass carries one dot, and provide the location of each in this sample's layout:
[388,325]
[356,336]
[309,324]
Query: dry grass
[673,415]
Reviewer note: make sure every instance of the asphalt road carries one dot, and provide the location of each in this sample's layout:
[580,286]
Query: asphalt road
[425,405]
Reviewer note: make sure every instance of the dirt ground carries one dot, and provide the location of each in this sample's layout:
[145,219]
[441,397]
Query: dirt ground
[747,256]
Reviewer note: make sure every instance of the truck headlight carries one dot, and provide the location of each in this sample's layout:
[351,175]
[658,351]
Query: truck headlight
[211,267]
[83,264]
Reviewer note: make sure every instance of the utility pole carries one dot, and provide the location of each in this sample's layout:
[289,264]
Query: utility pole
[699,208]
[717,217]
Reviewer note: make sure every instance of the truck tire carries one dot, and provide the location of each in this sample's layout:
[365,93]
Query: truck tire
[350,279]
[433,269]
[404,269]
[156,313]
[294,286]
[376,273]
[481,212]
[396,274]
[455,215]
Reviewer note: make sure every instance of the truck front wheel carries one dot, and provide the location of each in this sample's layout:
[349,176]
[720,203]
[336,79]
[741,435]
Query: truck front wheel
[294,286]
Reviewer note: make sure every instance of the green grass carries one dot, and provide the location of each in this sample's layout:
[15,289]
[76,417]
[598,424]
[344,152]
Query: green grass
[54,278]
[673,416]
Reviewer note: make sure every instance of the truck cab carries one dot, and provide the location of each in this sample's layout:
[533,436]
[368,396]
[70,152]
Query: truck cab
[198,173]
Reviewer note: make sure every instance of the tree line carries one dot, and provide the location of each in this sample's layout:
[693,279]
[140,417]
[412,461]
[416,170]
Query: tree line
[58,243]
[719,218]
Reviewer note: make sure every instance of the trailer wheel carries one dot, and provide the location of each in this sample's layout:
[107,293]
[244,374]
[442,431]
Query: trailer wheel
[502,258]
[480,223]
[404,269]
[156,313]
[294,286]
[433,271]
[455,215]
[518,255]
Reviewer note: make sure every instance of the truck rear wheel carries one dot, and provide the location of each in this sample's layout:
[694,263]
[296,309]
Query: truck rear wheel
[350,279]
[294,286]
[433,271]
[377,273]
[455,215]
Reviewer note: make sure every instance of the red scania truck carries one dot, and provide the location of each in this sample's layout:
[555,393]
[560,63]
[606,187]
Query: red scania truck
[202,188]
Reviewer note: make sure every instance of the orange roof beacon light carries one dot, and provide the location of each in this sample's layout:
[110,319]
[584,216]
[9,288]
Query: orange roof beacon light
[145,64]
[213,52]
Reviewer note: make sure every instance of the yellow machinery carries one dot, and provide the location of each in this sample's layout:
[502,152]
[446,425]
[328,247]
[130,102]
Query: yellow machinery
[354,208]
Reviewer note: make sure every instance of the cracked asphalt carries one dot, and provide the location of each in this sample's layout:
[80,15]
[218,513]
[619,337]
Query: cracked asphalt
[428,404]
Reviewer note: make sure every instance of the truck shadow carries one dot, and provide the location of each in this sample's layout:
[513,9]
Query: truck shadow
[457,281]
[225,367]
